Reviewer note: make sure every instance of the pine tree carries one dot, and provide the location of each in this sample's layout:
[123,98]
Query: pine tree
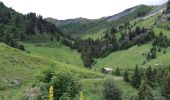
[126,76]
[168,7]
[164,51]
[145,91]
[117,72]
[159,49]
[166,88]
[136,78]
[150,75]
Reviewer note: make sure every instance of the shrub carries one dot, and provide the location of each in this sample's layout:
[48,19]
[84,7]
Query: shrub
[65,83]
[111,92]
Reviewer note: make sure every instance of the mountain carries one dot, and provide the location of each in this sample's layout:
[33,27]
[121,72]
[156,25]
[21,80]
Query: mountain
[82,26]
[134,45]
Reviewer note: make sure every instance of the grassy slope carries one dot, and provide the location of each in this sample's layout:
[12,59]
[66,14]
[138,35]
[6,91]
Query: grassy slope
[94,36]
[124,59]
[56,52]
[129,58]
[92,88]
[15,64]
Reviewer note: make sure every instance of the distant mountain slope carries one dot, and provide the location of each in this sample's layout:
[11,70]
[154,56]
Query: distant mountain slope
[82,26]
[133,56]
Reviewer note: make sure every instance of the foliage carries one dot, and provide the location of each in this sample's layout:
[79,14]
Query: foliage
[136,78]
[65,83]
[166,88]
[152,53]
[117,72]
[111,92]
[168,7]
[18,27]
[145,91]
[126,76]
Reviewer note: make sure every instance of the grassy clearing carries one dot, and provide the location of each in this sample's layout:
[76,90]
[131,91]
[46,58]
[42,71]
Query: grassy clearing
[124,59]
[94,36]
[92,88]
[56,52]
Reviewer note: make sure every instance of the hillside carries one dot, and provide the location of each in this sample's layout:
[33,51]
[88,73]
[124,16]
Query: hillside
[18,66]
[123,59]
[19,69]
[82,27]
[123,56]
[55,51]
[19,27]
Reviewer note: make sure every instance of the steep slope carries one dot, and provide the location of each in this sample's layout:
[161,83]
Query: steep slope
[18,70]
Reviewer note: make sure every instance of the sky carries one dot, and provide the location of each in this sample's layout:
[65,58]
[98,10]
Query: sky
[66,9]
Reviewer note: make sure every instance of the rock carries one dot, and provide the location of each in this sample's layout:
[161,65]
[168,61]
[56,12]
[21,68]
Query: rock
[32,92]
[15,82]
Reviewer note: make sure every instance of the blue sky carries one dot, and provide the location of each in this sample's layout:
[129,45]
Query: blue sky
[65,9]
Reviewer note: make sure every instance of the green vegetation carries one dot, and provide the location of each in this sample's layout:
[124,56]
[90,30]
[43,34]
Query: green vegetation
[168,7]
[55,51]
[110,91]
[17,66]
[93,88]
[123,59]
[145,91]
[50,56]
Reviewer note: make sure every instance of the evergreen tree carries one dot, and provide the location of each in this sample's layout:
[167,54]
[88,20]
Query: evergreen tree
[145,91]
[150,76]
[159,49]
[168,7]
[136,78]
[166,88]
[126,76]
[164,51]
[117,72]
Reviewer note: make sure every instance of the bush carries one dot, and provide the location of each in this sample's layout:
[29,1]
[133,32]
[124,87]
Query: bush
[65,83]
[21,47]
[46,75]
[111,92]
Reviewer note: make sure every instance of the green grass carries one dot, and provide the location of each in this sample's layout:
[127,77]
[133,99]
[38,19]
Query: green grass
[94,36]
[162,59]
[56,51]
[128,59]
[15,64]
[92,88]
[125,58]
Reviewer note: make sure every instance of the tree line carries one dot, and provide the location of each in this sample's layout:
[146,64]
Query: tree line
[109,43]
[149,79]
[18,27]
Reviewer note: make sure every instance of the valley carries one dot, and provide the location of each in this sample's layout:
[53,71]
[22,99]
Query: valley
[70,55]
